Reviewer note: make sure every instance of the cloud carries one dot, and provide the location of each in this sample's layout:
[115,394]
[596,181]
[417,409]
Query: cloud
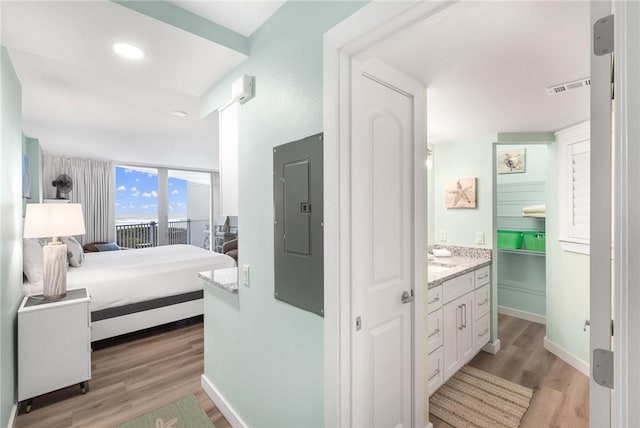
[128,171]
[134,189]
[137,180]
[175,192]
[122,188]
[135,194]
[152,194]
[181,204]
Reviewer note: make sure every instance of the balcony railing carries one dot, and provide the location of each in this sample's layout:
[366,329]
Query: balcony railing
[142,235]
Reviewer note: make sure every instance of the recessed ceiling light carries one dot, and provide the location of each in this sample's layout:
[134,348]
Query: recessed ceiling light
[179,113]
[128,51]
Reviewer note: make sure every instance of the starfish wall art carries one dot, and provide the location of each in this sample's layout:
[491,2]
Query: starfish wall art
[460,193]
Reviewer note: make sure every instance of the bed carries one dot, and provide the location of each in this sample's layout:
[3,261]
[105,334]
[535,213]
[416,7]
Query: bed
[136,289]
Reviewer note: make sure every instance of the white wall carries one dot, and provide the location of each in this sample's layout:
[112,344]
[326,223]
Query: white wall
[460,159]
[264,356]
[11,227]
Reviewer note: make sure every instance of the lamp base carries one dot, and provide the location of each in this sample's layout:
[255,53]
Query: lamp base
[54,257]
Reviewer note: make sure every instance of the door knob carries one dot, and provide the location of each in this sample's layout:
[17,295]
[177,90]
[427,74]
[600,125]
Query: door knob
[408,297]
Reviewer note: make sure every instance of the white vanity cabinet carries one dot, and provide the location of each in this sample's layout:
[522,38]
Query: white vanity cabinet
[465,319]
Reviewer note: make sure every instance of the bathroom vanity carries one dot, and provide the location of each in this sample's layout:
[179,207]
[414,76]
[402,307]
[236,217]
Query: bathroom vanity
[459,315]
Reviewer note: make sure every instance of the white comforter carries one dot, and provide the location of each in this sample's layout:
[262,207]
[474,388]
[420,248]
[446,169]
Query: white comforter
[116,278]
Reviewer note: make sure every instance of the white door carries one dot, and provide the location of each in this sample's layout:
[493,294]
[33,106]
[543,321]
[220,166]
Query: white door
[383,266]
[600,220]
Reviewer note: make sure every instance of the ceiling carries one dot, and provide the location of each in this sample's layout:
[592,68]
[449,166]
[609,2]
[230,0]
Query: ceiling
[241,16]
[486,66]
[81,99]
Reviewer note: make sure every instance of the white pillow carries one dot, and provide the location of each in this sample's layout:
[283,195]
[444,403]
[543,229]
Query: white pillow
[75,254]
[32,259]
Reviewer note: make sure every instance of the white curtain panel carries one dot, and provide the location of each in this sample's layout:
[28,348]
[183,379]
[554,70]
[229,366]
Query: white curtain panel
[93,188]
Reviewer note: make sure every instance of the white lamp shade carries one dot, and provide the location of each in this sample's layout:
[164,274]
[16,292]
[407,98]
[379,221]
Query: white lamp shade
[47,220]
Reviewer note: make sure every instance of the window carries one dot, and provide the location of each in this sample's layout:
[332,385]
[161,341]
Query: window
[574,187]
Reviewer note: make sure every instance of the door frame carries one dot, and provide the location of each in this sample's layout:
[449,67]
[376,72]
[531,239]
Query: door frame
[372,23]
[341,44]
[625,410]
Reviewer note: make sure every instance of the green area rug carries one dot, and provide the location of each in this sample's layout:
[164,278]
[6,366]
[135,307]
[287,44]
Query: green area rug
[184,413]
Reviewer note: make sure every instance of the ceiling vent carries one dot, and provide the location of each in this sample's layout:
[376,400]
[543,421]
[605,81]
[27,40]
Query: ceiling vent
[565,87]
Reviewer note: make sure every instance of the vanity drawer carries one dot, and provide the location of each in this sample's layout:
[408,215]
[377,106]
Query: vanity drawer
[435,370]
[435,331]
[434,299]
[482,301]
[483,276]
[457,287]
[481,332]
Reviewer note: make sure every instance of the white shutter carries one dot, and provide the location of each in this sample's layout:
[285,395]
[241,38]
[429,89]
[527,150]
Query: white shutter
[579,158]
[574,181]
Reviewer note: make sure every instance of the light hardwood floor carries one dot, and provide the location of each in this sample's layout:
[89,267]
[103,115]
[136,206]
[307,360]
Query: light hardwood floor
[130,379]
[561,397]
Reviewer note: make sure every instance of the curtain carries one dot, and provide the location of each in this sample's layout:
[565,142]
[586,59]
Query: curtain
[93,188]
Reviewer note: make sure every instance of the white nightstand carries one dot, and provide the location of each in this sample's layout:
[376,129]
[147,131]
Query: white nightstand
[54,344]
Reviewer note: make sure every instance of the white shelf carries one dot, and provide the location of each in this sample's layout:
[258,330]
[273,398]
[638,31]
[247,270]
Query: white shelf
[525,252]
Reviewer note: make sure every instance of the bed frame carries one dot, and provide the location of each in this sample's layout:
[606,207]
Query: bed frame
[110,322]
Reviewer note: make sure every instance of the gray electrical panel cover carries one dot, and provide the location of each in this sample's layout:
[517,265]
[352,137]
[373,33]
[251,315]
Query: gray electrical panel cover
[298,211]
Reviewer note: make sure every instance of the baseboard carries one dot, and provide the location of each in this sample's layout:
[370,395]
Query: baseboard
[567,357]
[225,408]
[12,416]
[522,315]
[492,347]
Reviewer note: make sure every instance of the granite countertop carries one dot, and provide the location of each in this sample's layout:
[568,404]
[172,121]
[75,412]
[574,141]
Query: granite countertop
[225,279]
[461,265]
[463,260]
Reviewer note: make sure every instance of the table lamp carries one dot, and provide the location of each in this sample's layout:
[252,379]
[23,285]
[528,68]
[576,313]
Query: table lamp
[53,221]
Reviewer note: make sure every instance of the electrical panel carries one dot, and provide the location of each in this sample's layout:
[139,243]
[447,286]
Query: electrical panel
[298,235]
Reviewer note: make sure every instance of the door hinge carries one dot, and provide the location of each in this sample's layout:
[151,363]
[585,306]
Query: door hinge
[603,36]
[603,367]
[358,323]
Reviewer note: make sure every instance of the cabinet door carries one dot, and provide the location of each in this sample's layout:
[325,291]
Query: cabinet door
[465,335]
[452,323]
[435,333]
[482,302]
[434,299]
[481,332]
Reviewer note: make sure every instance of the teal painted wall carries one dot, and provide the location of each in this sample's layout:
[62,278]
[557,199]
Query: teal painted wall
[567,280]
[522,277]
[264,356]
[11,226]
[471,158]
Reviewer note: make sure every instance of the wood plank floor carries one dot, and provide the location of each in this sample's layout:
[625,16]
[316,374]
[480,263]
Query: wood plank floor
[561,397]
[128,380]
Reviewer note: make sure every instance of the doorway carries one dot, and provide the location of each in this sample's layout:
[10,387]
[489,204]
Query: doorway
[404,16]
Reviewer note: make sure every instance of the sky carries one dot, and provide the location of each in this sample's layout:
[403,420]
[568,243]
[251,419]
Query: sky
[137,195]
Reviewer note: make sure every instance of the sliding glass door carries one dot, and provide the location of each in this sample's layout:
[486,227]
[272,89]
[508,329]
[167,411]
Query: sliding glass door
[161,206]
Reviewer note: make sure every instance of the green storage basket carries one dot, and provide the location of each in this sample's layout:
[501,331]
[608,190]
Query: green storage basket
[510,239]
[534,241]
